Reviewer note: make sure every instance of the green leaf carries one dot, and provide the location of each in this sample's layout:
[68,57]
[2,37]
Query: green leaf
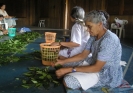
[17,78]
[26,86]
[34,81]
[32,68]
[39,72]
[56,82]
[24,81]
[38,85]
[58,66]
[44,74]
[41,77]
[27,74]
[49,77]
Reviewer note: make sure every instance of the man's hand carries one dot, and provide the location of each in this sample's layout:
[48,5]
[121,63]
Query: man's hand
[61,72]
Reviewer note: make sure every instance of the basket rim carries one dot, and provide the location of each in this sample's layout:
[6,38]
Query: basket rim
[42,45]
[46,63]
[50,33]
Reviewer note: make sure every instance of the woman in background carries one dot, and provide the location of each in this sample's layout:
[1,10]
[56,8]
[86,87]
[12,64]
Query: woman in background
[8,19]
[79,35]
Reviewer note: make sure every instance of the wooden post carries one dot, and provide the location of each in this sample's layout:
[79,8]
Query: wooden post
[66,12]
[103,5]
[31,12]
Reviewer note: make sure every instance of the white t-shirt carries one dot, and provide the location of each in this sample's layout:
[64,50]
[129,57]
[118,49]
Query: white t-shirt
[79,36]
[3,13]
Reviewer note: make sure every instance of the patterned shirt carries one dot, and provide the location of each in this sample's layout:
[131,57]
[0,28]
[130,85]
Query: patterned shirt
[107,49]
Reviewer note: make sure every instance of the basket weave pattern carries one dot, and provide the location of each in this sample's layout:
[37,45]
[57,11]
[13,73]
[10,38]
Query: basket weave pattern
[49,53]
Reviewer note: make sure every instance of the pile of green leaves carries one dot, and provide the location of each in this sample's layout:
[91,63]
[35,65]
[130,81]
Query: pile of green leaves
[9,48]
[1,36]
[40,77]
[36,54]
[35,77]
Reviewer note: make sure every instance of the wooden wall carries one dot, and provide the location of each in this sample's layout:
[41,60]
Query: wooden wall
[30,12]
[22,9]
[123,9]
[51,11]
[88,5]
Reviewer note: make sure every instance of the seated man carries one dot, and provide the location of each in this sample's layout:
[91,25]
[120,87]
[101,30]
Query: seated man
[2,30]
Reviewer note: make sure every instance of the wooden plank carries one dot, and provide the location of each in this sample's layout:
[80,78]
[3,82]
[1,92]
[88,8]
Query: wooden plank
[18,9]
[128,7]
[113,7]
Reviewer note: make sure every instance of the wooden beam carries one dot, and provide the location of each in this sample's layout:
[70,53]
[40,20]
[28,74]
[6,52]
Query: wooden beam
[66,12]
[103,5]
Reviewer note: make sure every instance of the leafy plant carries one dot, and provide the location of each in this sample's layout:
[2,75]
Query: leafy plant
[58,66]
[30,56]
[12,51]
[1,36]
[38,77]
[10,48]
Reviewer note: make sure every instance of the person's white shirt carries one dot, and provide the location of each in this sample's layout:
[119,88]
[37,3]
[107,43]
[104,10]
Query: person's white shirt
[3,13]
[11,22]
[78,35]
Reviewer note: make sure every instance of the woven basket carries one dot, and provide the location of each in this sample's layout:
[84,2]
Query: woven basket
[50,37]
[49,53]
